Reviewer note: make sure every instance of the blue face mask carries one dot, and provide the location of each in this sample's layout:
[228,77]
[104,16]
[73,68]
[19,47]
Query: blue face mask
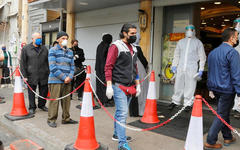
[38,42]
[3,48]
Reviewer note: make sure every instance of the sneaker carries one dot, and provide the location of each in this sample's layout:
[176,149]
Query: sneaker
[188,108]
[115,138]
[212,146]
[124,147]
[228,142]
[171,106]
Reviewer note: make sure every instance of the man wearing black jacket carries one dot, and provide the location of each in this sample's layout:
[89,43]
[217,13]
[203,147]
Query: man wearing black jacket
[78,60]
[34,67]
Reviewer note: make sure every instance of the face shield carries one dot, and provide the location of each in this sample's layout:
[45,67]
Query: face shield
[237,24]
[190,31]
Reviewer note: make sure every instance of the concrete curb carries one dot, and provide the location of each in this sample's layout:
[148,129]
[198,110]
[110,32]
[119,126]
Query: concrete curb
[30,131]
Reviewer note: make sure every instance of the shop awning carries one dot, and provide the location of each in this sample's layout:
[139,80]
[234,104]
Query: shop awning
[80,6]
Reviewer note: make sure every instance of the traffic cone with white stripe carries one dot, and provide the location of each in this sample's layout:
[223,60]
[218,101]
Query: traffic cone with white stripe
[150,112]
[19,110]
[86,139]
[88,76]
[194,140]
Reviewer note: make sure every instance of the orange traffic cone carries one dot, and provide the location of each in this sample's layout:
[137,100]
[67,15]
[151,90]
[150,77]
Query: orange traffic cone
[86,139]
[19,110]
[194,140]
[150,112]
[88,76]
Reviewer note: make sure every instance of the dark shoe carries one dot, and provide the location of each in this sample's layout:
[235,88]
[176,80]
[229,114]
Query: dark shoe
[31,111]
[80,98]
[214,146]
[236,115]
[115,138]
[228,142]
[124,147]
[108,105]
[70,122]
[188,108]
[171,106]
[52,124]
[1,97]
[44,108]
[2,101]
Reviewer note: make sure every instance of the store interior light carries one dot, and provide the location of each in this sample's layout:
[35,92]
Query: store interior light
[202,8]
[226,20]
[83,3]
[238,2]
[223,25]
[217,3]
[204,23]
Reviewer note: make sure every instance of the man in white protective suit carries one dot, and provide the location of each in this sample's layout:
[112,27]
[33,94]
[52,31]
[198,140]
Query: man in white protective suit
[236,106]
[187,69]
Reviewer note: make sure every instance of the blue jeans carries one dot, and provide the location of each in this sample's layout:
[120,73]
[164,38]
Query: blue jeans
[224,106]
[121,103]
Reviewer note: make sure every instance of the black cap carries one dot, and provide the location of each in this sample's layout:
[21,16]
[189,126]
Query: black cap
[61,33]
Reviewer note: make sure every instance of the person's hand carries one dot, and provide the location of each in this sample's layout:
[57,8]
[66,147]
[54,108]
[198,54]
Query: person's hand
[109,91]
[211,94]
[25,79]
[67,80]
[200,73]
[174,69]
[138,89]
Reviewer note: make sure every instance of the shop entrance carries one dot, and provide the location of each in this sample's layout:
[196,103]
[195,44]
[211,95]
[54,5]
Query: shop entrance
[210,19]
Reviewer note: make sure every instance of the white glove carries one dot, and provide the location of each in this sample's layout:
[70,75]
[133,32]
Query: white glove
[138,89]
[109,92]
[211,95]
[76,56]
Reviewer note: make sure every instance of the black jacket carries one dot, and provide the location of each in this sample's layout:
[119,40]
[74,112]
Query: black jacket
[34,64]
[78,56]
[101,57]
[141,57]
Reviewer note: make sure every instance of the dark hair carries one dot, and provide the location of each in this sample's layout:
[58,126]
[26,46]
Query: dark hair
[107,38]
[55,42]
[125,28]
[227,34]
[74,41]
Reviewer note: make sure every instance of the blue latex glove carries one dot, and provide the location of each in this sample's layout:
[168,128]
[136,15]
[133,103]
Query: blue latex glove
[174,69]
[200,73]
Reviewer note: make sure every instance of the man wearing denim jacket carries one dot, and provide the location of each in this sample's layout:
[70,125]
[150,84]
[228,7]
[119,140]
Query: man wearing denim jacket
[121,71]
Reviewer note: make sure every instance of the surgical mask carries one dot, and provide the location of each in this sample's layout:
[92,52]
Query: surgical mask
[236,44]
[189,34]
[64,43]
[38,42]
[131,39]
[3,48]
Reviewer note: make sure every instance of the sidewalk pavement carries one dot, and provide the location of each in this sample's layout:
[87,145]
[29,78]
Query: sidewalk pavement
[37,130]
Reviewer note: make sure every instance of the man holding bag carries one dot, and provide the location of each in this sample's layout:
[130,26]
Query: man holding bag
[121,76]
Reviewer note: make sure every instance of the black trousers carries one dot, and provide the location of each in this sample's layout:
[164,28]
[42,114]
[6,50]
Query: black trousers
[133,107]
[43,91]
[101,92]
[5,73]
[76,82]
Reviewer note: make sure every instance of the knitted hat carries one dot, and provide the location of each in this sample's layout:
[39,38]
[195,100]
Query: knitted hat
[61,33]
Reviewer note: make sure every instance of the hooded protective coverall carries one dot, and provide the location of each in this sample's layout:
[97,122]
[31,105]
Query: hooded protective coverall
[186,56]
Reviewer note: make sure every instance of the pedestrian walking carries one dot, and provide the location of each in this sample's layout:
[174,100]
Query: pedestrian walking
[223,83]
[101,57]
[34,68]
[61,64]
[185,65]
[122,77]
[1,66]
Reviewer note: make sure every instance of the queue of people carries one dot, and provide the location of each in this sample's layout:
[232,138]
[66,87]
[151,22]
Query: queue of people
[120,65]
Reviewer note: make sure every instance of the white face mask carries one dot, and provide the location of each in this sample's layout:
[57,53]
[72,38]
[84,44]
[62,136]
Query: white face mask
[189,34]
[64,43]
